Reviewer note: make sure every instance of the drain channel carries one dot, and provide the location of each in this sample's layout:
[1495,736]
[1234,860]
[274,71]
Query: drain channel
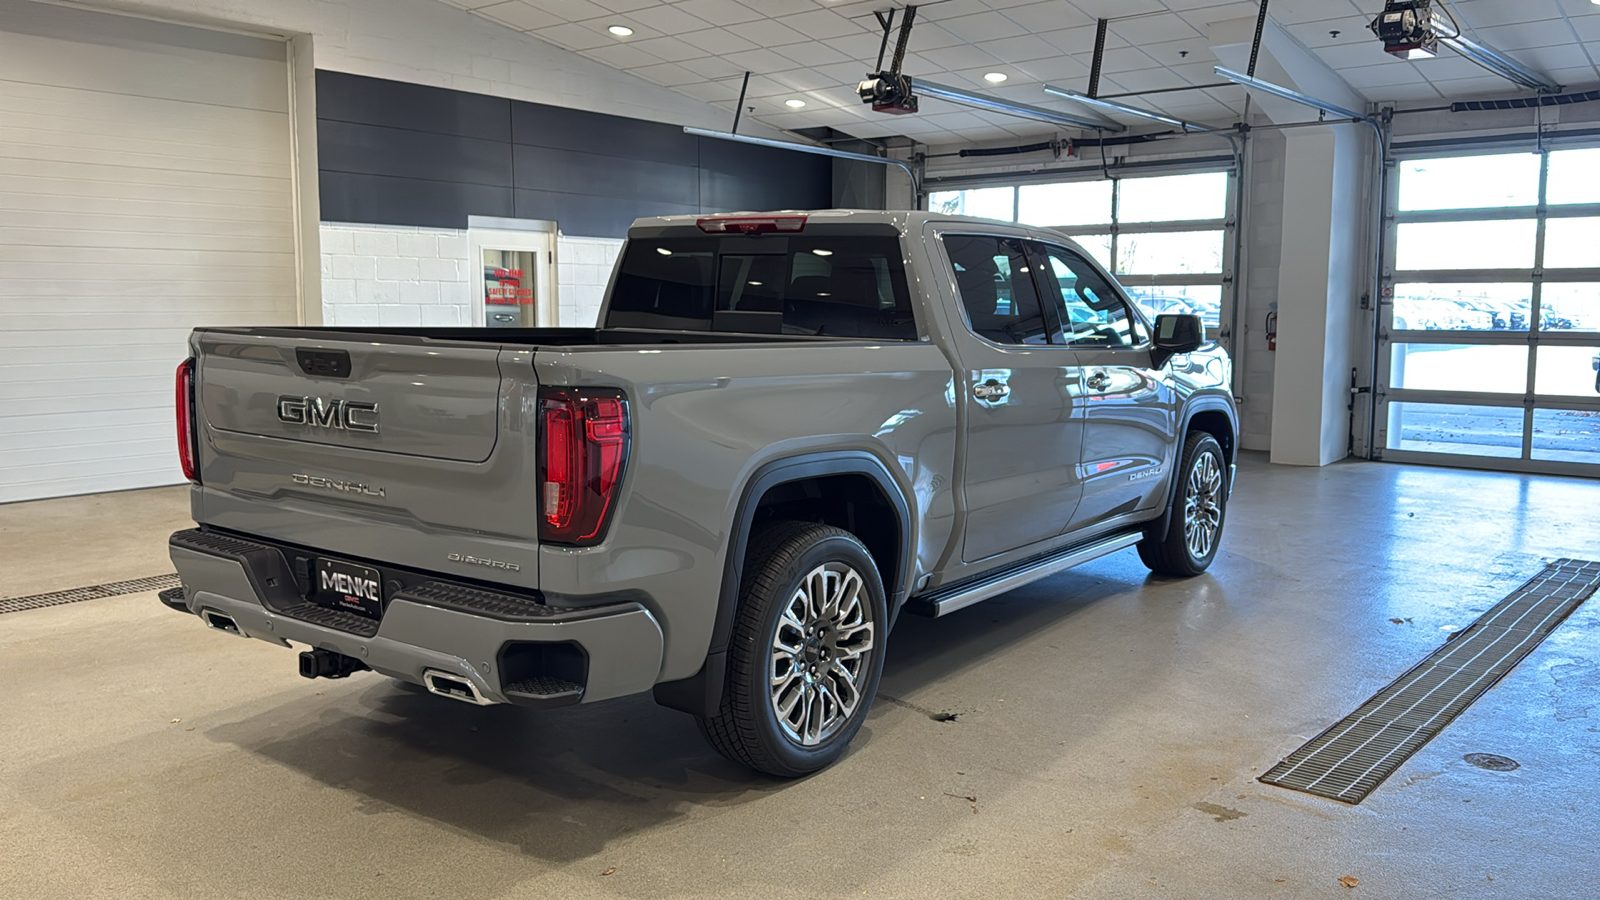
[1349,760]
[75,595]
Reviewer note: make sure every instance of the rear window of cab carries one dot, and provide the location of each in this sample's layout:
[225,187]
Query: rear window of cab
[827,286]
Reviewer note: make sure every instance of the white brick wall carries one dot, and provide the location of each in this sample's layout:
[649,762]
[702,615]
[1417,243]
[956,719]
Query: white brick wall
[582,269]
[395,275]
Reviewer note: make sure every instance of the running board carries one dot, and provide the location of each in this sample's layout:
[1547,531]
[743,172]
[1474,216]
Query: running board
[947,600]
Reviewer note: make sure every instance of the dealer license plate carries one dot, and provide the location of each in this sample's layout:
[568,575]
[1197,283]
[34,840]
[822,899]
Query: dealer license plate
[352,588]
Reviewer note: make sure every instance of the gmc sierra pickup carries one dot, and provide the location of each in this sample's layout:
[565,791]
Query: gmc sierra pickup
[788,430]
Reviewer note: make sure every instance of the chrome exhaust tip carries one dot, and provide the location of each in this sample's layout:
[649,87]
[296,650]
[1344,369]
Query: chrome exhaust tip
[220,622]
[455,687]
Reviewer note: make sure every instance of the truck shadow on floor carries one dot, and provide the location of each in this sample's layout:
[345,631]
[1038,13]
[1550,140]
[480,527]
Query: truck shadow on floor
[562,784]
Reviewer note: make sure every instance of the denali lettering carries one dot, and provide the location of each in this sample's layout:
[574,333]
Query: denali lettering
[365,588]
[334,484]
[491,563]
[318,412]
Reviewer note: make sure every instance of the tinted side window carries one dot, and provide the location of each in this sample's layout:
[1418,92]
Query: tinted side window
[847,286]
[996,288]
[1092,313]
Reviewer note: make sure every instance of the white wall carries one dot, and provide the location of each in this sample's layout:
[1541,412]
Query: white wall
[583,266]
[395,275]
[1263,254]
[429,42]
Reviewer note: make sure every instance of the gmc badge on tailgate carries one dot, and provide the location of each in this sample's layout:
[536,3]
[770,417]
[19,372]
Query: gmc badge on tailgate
[320,413]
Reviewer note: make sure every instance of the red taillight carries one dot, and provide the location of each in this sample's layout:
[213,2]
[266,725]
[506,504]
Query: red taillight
[584,440]
[752,224]
[188,429]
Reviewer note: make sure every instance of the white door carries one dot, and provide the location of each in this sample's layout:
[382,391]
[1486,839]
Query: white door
[145,189]
[516,289]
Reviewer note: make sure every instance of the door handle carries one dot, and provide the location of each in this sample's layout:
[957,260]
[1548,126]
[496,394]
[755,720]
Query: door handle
[1098,381]
[991,390]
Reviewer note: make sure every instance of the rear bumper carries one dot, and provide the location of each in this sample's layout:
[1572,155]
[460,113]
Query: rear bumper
[486,637]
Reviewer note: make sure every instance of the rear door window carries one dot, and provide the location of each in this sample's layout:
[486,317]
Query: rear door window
[997,292]
[845,286]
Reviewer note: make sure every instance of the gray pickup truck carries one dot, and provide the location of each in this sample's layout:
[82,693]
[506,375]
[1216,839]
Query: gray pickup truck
[789,430]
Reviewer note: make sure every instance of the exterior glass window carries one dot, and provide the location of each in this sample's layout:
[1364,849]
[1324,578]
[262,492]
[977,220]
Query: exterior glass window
[1491,310]
[1165,236]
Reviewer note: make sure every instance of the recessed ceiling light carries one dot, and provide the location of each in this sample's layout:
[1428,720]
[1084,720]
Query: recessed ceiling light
[620,30]
[794,104]
[995,77]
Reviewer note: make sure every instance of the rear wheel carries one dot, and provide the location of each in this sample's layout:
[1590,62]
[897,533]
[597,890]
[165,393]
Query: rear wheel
[807,651]
[1199,506]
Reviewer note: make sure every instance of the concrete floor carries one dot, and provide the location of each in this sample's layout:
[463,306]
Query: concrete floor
[1111,728]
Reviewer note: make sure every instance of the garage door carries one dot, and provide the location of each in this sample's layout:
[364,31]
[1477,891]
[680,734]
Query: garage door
[145,189]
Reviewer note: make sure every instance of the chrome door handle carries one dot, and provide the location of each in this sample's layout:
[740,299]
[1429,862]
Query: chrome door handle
[990,390]
[1098,381]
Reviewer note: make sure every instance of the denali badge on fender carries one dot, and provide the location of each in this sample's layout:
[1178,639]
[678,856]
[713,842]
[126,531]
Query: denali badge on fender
[320,413]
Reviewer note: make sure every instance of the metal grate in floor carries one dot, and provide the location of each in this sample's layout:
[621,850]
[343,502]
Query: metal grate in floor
[1348,761]
[74,595]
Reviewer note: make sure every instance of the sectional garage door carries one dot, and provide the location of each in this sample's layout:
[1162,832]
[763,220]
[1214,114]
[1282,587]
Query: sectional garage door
[145,189]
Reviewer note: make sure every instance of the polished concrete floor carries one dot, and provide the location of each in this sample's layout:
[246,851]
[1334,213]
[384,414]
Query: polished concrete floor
[1109,732]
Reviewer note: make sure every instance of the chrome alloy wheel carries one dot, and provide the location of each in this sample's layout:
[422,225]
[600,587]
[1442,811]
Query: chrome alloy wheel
[1202,505]
[820,651]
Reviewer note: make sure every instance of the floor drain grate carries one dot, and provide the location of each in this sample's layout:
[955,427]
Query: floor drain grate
[1352,758]
[75,595]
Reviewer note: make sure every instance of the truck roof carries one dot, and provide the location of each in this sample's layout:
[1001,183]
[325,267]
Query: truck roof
[903,219]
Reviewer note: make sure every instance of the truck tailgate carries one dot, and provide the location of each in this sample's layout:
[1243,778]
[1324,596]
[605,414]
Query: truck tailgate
[398,450]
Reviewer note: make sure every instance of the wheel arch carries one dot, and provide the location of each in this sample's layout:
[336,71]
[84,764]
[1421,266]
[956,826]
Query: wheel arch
[1215,415]
[822,486]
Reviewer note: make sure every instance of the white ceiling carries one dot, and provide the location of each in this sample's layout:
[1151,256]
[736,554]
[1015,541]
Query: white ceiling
[816,51]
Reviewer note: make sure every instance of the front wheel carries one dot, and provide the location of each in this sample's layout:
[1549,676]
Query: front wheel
[806,654]
[1199,505]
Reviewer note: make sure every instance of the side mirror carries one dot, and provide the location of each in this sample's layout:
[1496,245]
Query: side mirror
[1177,333]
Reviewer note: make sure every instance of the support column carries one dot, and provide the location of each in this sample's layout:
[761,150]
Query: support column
[1321,269]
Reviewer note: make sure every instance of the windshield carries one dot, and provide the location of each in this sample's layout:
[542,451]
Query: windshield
[846,286]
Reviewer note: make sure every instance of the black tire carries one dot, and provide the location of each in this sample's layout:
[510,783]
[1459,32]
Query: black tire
[748,728]
[1202,478]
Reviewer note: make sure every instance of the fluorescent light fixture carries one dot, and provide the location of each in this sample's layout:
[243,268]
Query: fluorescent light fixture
[794,104]
[1114,106]
[830,252]
[997,77]
[620,30]
[663,251]
[1010,108]
[1267,87]
[916,186]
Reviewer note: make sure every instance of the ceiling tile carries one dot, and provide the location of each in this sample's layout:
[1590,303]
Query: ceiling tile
[719,12]
[717,41]
[1018,49]
[1079,40]
[1051,15]
[574,37]
[622,56]
[758,60]
[985,26]
[767,33]
[964,56]
[814,53]
[519,15]
[669,74]
[711,67]
[570,10]
[863,47]
[670,49]
[1059,70]
[623,6]
[667,19]
[822,23]
[1152,29]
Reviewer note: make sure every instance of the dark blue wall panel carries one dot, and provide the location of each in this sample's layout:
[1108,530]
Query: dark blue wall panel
[393,153]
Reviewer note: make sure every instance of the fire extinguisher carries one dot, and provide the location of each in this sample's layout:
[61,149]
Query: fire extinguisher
[1272,330]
